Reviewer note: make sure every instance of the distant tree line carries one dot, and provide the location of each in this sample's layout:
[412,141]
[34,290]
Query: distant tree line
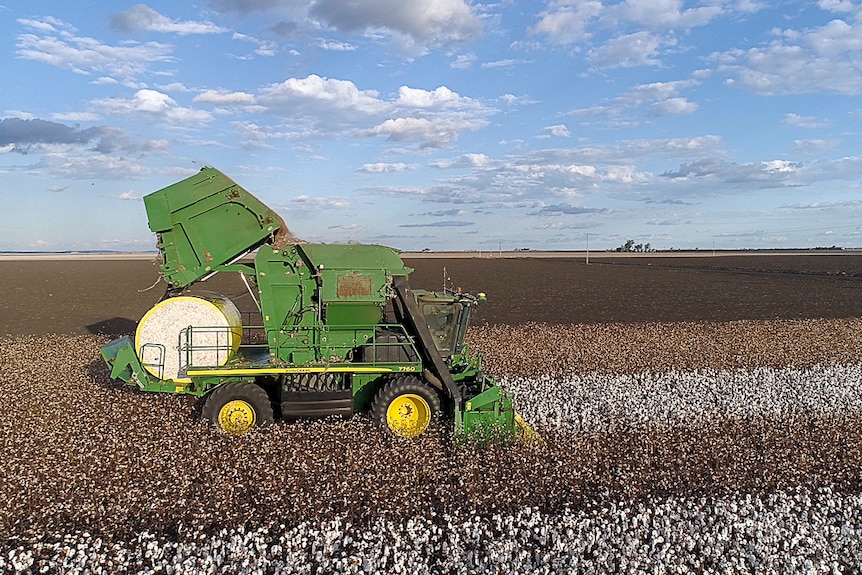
[631,246]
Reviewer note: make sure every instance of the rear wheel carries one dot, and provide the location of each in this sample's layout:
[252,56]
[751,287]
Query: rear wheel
[237,407]
[405,406]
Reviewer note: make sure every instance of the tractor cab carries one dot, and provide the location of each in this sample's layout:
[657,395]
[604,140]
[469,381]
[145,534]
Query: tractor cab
[447,315]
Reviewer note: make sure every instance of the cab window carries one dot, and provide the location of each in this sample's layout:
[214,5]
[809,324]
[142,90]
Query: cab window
[442,319]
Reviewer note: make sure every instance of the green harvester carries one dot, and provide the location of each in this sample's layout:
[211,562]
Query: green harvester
[337,331]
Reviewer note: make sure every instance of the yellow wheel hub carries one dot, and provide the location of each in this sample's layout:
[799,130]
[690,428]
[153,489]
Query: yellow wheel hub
[237,417]
[408,415]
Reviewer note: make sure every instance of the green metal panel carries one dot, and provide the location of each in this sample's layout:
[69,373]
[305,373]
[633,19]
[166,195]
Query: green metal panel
[487,416]
[320,301]
[356,258]
[206,221]
[353,314]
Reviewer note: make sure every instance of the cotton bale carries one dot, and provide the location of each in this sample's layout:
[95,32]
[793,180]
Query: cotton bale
[188,330]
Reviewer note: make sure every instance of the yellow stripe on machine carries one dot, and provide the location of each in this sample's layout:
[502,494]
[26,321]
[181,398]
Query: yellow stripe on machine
[287,370]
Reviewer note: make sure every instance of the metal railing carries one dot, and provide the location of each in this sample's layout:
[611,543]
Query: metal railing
[215,346]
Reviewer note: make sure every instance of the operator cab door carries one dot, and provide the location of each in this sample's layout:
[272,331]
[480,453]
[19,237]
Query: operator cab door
[444,319]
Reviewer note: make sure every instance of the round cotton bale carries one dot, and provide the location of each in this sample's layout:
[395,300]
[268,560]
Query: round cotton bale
[187,330]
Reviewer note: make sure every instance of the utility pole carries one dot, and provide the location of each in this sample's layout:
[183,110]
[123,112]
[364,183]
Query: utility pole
[588,248]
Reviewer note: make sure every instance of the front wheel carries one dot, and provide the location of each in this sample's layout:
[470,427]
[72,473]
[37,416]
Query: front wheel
[405,406]
[237,407]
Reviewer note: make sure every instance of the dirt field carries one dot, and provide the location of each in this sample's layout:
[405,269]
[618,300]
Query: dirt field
[99,296]
[695,395]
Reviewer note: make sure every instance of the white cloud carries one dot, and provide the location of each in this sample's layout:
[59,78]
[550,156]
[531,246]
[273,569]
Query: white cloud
[142,17]
[663,13]
[318,93]
[465,161]
[334,46]
[654,92]
[152,103]
[656,98]
[439,98]
[420,22]
[383,168]
[82,55]
[508,63]
[814,60]
[838,5]
[566,22]
[224,97]
[803,121]
[431,134]
[780,166]
[673,106]
[47,25]
[21,115]
[637,49]
[325,107]
[559,130]
[463,61]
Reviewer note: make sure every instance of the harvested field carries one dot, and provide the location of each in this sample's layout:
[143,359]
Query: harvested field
[711,444]
[110,296]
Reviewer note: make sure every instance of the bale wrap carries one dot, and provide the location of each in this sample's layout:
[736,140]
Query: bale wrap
[187,330]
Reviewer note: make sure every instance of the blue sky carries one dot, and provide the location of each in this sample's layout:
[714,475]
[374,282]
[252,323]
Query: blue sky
[443,125]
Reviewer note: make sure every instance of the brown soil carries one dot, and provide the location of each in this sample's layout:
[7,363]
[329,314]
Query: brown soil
[108,297]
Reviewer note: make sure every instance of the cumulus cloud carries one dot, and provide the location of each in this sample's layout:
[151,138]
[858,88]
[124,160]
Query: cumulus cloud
[558,130]
[637,49]
[153,104]
[838,5]
[423,23]
[323,107]
[224,97]
[564,23]
[142,17]
[663,13]
[430,133]
[438,98]
[316,93]
[464,161]
[58,44]
[814,60]
[673,106]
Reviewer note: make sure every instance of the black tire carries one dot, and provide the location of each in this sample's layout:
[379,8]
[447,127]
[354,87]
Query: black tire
[237,407]
[405,406]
